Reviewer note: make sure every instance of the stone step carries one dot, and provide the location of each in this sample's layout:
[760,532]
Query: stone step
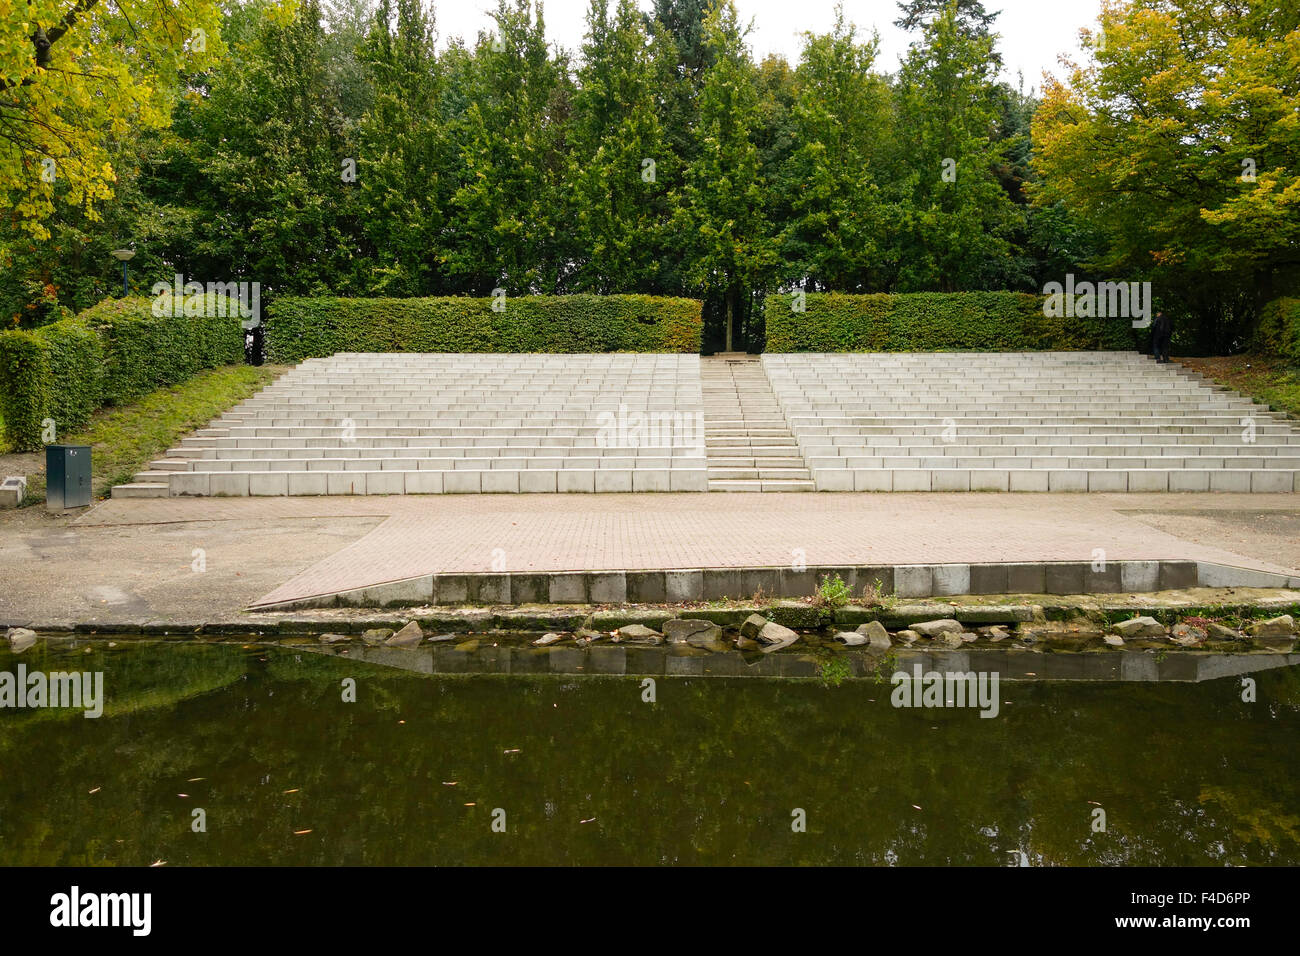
[140,490]
[732,441]
[764,473]
[743,461]
[263,465]
[732,484]
[1059,462]
[735,484]
[1029,479]
[394,482]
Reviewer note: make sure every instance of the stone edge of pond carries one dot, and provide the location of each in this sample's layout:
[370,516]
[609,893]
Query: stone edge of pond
[484,658]
[1167,607]
[1064,623]
[904,581]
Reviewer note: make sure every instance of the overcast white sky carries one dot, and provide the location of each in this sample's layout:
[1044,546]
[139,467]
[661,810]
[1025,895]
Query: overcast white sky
[1034,32]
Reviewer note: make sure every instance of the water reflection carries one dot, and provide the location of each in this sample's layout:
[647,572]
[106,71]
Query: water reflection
[587,772]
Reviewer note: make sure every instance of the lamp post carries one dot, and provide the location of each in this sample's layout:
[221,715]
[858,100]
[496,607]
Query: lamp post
[124,256]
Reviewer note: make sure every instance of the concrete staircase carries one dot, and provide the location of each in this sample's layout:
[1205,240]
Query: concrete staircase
[433,423]
[749,445]
[1047,421]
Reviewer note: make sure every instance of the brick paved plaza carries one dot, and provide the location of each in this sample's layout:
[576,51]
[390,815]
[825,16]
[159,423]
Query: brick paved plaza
[134,559]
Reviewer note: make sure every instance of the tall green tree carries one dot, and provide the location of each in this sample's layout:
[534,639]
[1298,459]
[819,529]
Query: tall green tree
[507,229]
[841,119]
[256,177]
[617,201]
[724,231]
[955,220]
[682,53]
[404,180]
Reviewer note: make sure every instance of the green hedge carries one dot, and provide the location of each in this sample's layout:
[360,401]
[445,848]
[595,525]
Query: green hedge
[1278,332]
[299,328]
[109,354]
[934,322]
[67,353]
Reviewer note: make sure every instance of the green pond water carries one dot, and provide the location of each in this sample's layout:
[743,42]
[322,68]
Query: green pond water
[587,772]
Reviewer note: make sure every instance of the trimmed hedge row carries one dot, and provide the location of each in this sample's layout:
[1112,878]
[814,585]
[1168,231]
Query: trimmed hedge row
[936,322]
[299,328]
[109,354]
[1278,332]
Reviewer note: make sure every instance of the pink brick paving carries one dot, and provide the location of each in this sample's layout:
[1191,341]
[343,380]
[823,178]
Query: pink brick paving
[458,533]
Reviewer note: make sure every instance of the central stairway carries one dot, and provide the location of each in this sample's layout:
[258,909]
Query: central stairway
[748,445]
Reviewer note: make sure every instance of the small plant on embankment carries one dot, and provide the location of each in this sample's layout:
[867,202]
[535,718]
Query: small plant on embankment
[832,593]
[873,595]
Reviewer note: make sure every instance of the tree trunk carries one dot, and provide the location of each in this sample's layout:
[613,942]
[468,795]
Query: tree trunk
[730,316]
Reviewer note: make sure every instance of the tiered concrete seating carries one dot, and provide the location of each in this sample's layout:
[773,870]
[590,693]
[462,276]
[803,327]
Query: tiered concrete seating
[1052,421]
[429,424]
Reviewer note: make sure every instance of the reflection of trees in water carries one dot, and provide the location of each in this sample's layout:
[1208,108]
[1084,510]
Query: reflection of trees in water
[135,678]
[709,773]
[1266,824]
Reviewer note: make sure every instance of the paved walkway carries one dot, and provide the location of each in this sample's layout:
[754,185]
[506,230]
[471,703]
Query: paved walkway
[133,557]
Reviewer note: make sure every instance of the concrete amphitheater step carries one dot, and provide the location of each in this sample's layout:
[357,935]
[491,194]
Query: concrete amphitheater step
[439,424]
[140,490]
[1095,421]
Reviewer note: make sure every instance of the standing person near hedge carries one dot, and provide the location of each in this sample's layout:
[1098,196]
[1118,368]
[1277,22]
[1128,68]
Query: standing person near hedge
[1162,330]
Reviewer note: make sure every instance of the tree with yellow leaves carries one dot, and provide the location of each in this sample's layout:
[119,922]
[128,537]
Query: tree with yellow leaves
[78,75]
[1178,140]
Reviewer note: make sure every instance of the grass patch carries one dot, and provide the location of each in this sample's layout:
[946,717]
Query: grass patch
[127,438]
[1265,379]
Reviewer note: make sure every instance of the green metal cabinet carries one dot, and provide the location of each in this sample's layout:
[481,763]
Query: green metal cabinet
[67,476]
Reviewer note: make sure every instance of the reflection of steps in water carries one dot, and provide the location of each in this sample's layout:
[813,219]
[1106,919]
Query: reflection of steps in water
[1011,664]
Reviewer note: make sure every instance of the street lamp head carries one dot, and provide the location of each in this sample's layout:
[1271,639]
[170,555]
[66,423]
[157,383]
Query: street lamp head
[124,254]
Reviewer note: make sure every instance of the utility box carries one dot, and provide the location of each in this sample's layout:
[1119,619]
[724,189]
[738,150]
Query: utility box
[67,476]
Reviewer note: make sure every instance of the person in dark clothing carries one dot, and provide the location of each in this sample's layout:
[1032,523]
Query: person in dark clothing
[1162,329]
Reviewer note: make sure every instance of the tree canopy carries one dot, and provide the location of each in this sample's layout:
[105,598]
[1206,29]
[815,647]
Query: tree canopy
[347,148]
